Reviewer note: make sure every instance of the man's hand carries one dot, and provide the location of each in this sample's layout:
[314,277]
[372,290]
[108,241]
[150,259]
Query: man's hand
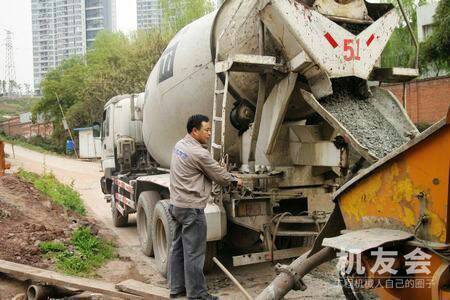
[240,183]
[237,182]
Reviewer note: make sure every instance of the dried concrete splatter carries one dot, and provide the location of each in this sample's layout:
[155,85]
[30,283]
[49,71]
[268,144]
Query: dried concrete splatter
[364,122]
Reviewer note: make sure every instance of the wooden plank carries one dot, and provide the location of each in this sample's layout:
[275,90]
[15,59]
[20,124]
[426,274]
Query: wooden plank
[145,290]
[37,275]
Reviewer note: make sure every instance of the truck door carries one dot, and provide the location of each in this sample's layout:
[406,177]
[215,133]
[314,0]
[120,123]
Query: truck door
[108,161]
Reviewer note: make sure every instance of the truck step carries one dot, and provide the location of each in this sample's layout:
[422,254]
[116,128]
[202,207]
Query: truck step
[219,92]
[218,119]
[246,63]
[301,220]
[296,233]
[394,75]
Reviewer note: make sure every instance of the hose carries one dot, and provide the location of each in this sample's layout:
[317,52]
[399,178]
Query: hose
[275,231]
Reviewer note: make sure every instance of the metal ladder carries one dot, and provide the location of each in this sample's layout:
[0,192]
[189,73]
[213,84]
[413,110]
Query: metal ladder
[220,100]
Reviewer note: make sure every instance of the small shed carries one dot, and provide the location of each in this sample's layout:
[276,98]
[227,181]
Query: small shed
[89,146]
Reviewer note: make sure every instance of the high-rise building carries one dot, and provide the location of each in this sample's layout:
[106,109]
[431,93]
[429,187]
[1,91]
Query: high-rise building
[148,13]
[63,28]
[70,36]
[100,15]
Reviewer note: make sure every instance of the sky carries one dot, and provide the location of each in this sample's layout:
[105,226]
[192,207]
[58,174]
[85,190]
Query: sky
[15,15]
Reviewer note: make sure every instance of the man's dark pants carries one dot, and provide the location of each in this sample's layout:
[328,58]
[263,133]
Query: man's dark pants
[187,255]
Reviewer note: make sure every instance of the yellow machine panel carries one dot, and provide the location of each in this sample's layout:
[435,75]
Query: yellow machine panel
[405,188]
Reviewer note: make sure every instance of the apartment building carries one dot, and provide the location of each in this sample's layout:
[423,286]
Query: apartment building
[63,28]
[100,15]
[148,14]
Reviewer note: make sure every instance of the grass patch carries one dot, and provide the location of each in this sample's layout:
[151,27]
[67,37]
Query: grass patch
[60,193]
[48,247]
[88,253]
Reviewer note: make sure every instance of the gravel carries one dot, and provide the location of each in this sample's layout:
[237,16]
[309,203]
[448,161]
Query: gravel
[369,127]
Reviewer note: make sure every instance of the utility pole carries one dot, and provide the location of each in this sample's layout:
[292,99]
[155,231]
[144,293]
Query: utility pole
[66,126]
[10,68]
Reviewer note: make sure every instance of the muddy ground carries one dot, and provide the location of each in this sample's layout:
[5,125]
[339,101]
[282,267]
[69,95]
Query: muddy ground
[27,218]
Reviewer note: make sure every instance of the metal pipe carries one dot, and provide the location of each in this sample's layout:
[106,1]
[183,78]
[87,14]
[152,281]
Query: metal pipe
[66,126]
[240,287]
[38,292]
[260,102]
[285,282]
[411,32]
[404,95]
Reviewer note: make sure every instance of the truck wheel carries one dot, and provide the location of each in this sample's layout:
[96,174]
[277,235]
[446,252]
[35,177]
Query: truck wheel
[211,251]
[162,229]
[146,204]
[118,219]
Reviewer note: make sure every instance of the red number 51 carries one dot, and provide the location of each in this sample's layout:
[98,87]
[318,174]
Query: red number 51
[349,51]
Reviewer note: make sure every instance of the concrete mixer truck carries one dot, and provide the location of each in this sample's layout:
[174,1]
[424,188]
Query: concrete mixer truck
[292,91]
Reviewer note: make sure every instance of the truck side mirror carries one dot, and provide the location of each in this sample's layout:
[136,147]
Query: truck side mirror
[96,129]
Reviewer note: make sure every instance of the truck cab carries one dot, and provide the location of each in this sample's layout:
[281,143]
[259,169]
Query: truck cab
[121,122]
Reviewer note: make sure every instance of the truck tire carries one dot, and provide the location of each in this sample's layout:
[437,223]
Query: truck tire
[144,219]
[118,219]
[162,231]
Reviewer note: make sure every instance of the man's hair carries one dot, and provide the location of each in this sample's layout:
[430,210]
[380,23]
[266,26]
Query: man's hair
[195,121]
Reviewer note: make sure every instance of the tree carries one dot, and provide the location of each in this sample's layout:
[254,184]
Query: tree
[435,54]
[120,65]
[66,82]
[115,65]
[400,50]
[179,13]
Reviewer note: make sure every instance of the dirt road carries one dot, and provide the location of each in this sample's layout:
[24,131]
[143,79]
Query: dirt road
[85,176]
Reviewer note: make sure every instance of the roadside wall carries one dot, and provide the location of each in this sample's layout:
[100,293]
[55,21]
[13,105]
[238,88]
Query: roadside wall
[14,127]
[427,100]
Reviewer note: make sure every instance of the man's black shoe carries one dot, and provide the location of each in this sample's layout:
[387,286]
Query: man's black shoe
[178,295]
[206,297]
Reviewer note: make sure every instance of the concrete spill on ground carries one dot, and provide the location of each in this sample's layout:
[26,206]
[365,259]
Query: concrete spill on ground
[364,122]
